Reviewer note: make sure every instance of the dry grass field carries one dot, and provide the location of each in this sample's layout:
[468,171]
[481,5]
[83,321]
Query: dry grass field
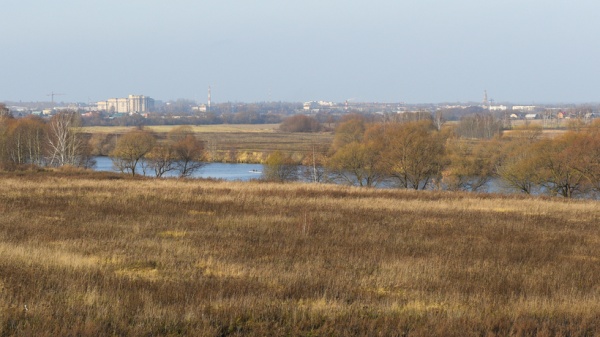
[237,143]
[98,254]
[236,128]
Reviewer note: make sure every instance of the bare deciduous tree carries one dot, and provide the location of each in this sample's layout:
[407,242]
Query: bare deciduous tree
[469,166]
[358,163]
[414,153]
[66,147]
[484,126]
[131,149]
[314,164]
[4,111]
[188,150]
[518,167]
[587,157]
[300,123]
[161,159]
[350,130]
[558,162]
[280,167]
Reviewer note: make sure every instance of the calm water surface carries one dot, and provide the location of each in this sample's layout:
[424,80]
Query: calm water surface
[243,172]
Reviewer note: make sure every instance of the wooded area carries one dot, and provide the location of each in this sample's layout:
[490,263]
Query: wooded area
[417,153]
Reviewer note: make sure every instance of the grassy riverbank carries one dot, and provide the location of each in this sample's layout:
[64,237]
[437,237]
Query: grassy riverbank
[99,254]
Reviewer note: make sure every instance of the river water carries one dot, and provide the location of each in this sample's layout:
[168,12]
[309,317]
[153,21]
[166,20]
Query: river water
[242,172]
[237,171]
[246,172]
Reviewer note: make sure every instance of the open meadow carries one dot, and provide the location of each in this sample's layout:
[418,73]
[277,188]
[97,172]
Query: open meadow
[99,254]
[217,128]
[234,142]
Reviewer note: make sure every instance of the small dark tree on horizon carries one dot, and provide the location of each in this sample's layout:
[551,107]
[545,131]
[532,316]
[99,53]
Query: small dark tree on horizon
[300,123]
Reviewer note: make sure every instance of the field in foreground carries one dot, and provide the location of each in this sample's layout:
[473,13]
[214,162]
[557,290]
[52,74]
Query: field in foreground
[102,256]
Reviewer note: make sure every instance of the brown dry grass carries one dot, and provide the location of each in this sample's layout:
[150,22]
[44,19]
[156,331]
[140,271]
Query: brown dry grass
[255,147]
[97,255]
[221,128]
[250,143]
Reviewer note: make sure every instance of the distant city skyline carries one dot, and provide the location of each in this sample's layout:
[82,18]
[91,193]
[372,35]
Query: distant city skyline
[414,51]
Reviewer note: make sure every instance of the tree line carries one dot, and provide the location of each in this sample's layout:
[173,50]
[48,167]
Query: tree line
[33,141]
[416,153]
[140,151]
[413,152]
[37,142]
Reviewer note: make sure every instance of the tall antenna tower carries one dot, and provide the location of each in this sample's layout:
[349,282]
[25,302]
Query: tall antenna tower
[485,100]
[208,105]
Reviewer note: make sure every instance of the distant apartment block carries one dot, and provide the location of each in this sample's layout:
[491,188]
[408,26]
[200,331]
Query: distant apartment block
[524,107]
[200,108]
[316,105]
[498,107]
[132,104]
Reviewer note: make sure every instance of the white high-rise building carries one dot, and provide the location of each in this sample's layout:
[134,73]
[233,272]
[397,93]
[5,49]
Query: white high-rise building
[132,104]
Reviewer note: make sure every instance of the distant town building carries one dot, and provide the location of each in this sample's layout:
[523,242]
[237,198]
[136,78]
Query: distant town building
[316,105]
[524,108]
[309,105]
[324,103]
[200,108]
[130,105]
[498,107]
[531,116]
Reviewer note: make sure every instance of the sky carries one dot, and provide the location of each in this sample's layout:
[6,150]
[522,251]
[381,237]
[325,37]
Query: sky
[413,51]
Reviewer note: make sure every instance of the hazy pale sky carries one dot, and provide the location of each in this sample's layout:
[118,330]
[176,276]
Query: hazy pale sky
[416,51]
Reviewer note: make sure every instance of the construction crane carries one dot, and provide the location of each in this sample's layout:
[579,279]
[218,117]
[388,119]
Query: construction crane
[52,94]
